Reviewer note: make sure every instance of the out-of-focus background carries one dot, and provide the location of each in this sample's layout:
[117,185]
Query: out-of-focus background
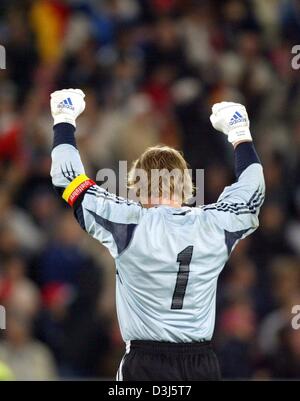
[151,70]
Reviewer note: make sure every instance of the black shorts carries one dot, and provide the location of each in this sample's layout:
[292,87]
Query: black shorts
[158,361]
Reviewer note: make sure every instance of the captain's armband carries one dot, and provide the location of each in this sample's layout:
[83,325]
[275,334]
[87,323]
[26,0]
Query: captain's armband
[77,187]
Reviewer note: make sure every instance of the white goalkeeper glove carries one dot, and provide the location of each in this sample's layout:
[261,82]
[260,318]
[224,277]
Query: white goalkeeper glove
[231,119]
[67,105]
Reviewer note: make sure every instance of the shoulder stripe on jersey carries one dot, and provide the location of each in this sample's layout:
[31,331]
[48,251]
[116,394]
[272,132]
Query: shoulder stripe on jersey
[101,193]
[239,209]
[249,207]
[122,233]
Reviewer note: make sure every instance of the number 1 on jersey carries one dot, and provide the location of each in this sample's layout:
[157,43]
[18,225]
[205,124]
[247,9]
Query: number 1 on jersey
[184,259]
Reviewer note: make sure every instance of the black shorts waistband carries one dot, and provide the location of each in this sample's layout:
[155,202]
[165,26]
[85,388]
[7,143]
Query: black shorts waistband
[157,346]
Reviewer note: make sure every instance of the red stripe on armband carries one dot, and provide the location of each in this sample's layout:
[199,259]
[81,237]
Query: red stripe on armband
[79,190]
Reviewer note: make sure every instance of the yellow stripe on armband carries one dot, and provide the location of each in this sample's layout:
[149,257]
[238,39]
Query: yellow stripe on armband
[76,187]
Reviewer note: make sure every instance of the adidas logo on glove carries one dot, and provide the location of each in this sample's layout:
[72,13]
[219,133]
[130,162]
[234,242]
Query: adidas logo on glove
[67,103]
[237,118]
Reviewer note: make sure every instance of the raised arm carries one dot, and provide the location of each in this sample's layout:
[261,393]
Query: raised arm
[106,217]
[66,106]
[237,208]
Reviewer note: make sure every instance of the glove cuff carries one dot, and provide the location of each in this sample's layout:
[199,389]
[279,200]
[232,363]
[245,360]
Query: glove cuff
[64,118]
[239,134]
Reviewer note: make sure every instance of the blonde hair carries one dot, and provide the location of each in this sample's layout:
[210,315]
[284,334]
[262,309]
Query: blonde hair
[173,174]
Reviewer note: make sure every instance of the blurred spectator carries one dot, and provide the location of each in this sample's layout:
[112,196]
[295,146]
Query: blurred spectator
[17,292]
[27,358]
[238,326]
[285,362]
[285,282]
[62,259]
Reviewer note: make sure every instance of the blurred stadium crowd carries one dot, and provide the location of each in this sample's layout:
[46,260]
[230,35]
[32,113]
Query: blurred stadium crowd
[151,70]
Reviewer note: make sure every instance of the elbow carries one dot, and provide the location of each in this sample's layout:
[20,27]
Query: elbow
[255,223]
[262,187]
[259,184]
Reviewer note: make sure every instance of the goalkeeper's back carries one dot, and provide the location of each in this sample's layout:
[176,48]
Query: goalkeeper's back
[167,259]
[167,277]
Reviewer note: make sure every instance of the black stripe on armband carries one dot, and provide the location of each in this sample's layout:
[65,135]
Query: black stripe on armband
[245,155]
[64,133]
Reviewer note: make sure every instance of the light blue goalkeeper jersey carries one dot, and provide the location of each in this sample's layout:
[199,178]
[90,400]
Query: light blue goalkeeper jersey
[167,260]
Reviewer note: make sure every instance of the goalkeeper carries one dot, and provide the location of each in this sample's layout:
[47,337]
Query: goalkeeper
[168,257]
